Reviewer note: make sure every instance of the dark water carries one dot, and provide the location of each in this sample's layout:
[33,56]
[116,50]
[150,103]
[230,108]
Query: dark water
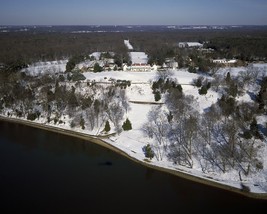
[44,172]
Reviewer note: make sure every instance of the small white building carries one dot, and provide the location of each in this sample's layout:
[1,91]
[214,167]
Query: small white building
[170,63]
[224,61]
[190,45]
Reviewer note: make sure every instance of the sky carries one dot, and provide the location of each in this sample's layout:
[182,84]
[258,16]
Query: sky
[133,12]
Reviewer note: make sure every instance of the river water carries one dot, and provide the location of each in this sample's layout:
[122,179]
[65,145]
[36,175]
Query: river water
[45,172]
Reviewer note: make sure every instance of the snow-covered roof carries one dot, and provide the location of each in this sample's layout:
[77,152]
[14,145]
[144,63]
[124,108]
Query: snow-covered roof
[96,55]
[138,57]
[39,68]
[224,61]
[190,44]
[194,44]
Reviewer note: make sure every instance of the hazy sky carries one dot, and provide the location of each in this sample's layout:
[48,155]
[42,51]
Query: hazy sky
[133,12]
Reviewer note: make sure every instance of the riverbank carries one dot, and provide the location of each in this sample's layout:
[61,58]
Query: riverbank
[103,141]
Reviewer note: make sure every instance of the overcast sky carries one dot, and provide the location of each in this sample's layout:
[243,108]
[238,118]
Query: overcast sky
[133,12]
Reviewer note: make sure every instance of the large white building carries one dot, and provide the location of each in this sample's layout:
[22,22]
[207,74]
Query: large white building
[139,67]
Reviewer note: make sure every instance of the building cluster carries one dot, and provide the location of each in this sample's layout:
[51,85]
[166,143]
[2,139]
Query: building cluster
[89,65]
[139,60]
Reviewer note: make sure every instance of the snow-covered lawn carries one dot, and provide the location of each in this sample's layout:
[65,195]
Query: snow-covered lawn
[107,76]
[181,75]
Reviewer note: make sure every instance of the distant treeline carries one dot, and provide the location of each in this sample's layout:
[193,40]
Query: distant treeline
[54,46]
[25,47]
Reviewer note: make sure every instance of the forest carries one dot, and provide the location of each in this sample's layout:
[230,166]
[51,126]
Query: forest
[19,49]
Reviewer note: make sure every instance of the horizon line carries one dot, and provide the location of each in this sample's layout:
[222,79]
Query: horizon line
[48,25]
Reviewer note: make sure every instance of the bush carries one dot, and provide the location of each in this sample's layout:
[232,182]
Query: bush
[127,125]
[192,69]
[148,151]
[72,124]
[18,113]
[198,82]
[31,116]
[247,135]
[77,76]
[203,90]
[55,120]
[97,68]
[244,188]
[259,165]
[157,96]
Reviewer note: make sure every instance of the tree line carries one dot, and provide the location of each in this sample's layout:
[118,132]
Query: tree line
[21,48]
[57,100]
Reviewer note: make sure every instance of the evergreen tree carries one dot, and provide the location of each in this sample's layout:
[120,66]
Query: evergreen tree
[227,105]
[228,78]
[97,68]
[82,122]
[107,127]
[233,89]
[127,125]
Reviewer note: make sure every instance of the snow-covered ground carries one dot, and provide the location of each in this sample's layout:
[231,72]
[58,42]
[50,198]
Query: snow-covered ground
[49,67]
[131,142]
[107,76]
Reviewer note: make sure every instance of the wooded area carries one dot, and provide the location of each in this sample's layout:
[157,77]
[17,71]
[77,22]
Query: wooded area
[27,47]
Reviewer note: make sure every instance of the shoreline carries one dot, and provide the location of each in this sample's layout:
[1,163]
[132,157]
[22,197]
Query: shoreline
[100,141]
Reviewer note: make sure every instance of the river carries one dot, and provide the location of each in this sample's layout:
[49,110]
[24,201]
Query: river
[46,172]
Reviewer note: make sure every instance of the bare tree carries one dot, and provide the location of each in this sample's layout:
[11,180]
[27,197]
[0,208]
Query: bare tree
[249,76]
[124,100]
[157,128]
[115,114]
[182,137]
[90,116]
[208,119]
[164,75]
[246,111]
[248,158]
[217,82]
